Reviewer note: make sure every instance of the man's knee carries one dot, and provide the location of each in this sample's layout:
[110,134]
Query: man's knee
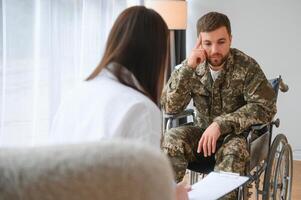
[175,147]
[236,146]
[230,163]
[172,143]
[178,140]
[232,156]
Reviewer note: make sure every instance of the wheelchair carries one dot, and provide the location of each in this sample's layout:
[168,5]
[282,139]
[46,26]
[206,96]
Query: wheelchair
[271,159]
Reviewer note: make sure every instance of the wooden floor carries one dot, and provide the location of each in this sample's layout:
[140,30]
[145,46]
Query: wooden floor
[296,180]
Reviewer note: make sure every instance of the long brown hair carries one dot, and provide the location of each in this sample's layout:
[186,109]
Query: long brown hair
[139,41]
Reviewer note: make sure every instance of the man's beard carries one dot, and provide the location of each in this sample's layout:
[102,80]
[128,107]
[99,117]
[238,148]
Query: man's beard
[217,59]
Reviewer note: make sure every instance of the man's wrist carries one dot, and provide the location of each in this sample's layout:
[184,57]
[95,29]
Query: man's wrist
[187,66]
[223,126]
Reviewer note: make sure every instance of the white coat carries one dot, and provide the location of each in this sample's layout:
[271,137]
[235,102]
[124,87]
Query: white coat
[103,108]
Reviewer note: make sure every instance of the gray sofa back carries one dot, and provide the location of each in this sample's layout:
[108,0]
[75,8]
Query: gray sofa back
[117,170]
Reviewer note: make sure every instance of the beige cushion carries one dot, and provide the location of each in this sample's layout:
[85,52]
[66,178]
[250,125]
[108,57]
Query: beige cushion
[107,170]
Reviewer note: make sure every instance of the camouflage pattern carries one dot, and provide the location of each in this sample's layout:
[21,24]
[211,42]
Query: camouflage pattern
[232,157]
[180,144]
[240,97]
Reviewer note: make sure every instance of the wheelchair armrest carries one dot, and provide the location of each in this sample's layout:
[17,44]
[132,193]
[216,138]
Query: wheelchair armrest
[258,127]
[170,117]
[185,113]
[252,132]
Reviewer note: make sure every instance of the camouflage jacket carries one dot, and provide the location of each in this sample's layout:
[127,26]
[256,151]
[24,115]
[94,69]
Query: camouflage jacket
[240,97]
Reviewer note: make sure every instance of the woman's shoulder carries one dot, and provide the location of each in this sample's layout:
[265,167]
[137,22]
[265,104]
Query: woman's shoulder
[109,87]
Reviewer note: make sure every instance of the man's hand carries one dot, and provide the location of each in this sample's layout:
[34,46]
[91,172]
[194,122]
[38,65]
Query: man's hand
[198,54]
[208,140]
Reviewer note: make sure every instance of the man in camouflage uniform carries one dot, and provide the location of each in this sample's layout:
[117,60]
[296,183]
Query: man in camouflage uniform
[230,93]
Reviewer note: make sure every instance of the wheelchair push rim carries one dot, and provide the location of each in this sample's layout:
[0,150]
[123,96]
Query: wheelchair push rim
[278,174]
[283,178]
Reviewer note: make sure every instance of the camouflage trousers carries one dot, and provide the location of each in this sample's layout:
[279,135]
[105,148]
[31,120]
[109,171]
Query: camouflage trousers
[180,144]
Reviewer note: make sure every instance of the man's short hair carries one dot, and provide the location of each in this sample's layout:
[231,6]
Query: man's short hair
[212,21]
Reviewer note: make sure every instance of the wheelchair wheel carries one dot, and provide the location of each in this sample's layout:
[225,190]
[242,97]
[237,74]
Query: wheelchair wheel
[278,174]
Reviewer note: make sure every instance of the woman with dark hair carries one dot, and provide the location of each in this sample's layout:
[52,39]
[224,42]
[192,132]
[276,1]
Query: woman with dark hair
[120,97]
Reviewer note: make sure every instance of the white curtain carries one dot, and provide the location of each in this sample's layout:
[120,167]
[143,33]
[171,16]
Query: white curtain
[47,46]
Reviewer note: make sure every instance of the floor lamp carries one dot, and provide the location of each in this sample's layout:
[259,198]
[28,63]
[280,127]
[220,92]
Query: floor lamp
[174,12]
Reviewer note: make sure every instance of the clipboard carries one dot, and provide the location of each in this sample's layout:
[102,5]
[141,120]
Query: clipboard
[215,185]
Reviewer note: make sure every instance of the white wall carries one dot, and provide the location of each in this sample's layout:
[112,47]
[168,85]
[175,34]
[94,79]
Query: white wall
[270,32]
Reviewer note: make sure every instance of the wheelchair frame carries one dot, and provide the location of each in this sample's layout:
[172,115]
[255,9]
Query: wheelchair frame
[274,160]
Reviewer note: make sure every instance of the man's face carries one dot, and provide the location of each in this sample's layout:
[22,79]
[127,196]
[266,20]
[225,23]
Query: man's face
[217,45]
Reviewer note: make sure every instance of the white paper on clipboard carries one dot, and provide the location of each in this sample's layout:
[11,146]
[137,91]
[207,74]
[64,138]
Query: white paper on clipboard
[216,185]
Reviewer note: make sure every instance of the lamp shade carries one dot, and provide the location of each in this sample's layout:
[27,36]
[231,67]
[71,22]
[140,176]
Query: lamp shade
[174,12]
